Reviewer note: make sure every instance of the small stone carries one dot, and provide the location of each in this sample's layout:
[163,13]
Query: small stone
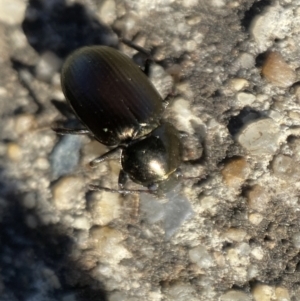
[14,152]
[277,71]
[105,207]
[296,91]
[234,295]
[81,222]
[258,198]
[238,84]
[201,257]
[238,256]
[263,292]
[107,12]
[12,11]
[284,167]
[107,242]
[296,240]
[180,292]
[117,296]
[282,294]
[235,172]
[255,218]
[24,123]
[66,193]
[208,203]
[173,212]
[274,22]
[189,3]
[235,234]
[65,155]
[245,99]
[260,137]
[246,60]
[258,253]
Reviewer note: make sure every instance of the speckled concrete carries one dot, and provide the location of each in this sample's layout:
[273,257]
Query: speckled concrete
[232,233]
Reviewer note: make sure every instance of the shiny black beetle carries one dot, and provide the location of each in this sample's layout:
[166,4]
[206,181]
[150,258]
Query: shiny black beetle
[120,107]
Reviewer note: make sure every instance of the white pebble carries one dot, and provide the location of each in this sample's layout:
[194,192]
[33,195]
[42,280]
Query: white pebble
[263,292]
[12,11]
[233,295]
[274,22]
[201,257]
[245,99]
[296,240]
[260,137]
[81,222]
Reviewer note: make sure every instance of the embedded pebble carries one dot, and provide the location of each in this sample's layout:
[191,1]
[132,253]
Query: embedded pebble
[235,172]
[81,222]
[274,22]
[296,91]
[107,12]
[234,295]
[208,203]
[255,218]
[284,167]
[201,257]
[238,84]
[181,292]
[67,192]
[296,240]
[245,99]
[14,152]
[189,3]
[263,292]
[65,155]
[24,123]
[235,234]
[107,242]
[258,198]
[105,207]
[282,294]
[238,256]
[260,137]
[174,211]
[246,60]
[276,71]
[12,11]
[258,253]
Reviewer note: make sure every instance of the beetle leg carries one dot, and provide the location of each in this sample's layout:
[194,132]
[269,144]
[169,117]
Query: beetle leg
[147,53]
[67,131]
[123,177]
[125,191]
[136,47]
[103,157]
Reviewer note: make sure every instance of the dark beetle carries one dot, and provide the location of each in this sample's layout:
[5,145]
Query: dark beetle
[120,107]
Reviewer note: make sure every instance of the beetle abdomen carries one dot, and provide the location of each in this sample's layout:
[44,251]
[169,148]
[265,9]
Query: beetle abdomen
[111,95]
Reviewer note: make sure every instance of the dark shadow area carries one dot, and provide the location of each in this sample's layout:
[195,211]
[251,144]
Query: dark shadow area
[246,115]
[60,28]
[32,259]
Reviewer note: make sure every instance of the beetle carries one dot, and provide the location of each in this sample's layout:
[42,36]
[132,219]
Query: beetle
[119,106]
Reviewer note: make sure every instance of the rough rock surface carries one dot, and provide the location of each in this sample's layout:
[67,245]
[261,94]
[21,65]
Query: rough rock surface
[232,234]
